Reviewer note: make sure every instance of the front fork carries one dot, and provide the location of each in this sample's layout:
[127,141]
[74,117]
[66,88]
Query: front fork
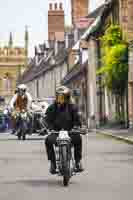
[70,158]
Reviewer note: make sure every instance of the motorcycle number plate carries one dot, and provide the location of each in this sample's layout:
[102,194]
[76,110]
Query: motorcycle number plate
[63,134]
[24,115]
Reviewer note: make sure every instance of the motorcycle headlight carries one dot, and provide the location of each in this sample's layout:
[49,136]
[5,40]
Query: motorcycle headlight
[24,115]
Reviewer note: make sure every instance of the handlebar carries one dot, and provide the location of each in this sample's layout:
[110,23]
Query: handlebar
[73,131]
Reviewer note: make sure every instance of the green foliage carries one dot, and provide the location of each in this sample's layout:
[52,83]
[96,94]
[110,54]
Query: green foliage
[113,36]
[114,60]
[118,117]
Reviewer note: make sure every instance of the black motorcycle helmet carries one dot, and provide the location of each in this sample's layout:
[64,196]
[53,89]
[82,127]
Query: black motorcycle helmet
[63,95]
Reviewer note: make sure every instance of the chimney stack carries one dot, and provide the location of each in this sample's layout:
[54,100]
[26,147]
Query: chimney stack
[56,22]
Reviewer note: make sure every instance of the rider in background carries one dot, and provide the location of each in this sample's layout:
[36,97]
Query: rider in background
[62,114]
[20,101]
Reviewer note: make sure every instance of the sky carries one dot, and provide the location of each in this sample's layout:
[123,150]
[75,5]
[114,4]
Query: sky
[15,15]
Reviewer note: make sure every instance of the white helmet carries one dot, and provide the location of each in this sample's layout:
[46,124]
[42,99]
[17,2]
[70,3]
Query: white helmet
[22,87]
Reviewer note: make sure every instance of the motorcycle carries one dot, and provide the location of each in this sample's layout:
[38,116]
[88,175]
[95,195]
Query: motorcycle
[39,123]
[22,121]
[64,154]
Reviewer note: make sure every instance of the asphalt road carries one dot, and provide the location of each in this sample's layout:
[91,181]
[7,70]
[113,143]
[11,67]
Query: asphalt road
[24,172]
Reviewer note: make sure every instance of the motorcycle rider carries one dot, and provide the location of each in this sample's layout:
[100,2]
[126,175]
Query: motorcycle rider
[20,101]
[62,114]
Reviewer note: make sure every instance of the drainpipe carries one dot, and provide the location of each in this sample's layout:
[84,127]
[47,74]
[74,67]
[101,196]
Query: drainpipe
[127,115]
[99,84]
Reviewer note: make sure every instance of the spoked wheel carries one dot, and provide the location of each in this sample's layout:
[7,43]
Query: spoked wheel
[65,166]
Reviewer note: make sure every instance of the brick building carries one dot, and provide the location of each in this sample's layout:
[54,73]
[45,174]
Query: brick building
[79,9]
[56,22]
[130,77]
[126,16]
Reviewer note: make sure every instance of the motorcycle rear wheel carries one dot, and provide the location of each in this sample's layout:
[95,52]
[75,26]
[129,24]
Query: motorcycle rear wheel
[19,135]
[23,135]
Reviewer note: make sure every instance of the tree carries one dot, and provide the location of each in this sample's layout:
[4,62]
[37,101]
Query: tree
[115,65]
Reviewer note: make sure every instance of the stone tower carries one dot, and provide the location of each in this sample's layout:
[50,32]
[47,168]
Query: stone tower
[26,38]
[10,43]
[79,9]
[56,22]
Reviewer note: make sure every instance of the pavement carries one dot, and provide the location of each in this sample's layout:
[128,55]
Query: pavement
[123,134]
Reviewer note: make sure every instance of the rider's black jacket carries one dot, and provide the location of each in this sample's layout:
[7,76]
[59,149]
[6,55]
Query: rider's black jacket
[64,117]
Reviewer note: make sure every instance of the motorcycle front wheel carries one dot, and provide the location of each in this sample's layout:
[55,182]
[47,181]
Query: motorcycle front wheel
[65,165]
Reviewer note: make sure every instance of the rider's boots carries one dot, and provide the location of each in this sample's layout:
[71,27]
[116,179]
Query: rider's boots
[78,167]
[13,131]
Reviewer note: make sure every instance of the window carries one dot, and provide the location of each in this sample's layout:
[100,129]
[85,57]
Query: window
[7,82]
